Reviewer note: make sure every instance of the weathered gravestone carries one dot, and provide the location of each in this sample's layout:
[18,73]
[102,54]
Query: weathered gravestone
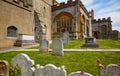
[57,47]
[79,73]
[4,68]
[50,70]
[65,37]
[44,45]
[110,70]
[115,35]
[25,63]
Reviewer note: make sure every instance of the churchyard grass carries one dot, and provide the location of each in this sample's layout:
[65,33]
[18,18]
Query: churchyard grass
[109,44]
[73,61]
[103,44]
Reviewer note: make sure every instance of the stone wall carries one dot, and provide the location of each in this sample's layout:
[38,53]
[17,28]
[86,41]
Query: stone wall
[43,10]
[14,14]
[79,20]
[102,28]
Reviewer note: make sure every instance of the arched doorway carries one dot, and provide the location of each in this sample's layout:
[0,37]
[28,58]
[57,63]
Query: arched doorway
[96,34]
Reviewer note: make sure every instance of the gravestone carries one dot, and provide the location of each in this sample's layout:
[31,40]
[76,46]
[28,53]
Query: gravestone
[4,68]
[25,63]
[50,70]
[44,45]
[110,70]
[79,73]
[57,47]
[65,37]
[115,35]
[90,42]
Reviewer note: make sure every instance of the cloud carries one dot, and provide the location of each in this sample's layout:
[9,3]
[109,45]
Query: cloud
[61,0]
[87,2]
[111,2]
[111,8]
[115,17]
[104,9]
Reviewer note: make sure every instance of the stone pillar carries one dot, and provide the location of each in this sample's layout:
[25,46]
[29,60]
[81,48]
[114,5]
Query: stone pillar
[90,28]
[85,29]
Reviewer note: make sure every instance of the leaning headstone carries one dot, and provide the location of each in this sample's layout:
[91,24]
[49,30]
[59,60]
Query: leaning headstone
[79,73]
[25,63]
[110,70]
[44,45]
[50,70]
[4,68]
[57,47]
[65,37]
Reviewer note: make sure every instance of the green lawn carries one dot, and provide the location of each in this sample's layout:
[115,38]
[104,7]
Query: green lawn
[103,44]
[109,44]
[73,61]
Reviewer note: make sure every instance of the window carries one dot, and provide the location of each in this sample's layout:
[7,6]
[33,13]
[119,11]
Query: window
[11,31]
[104,29]
[44,9]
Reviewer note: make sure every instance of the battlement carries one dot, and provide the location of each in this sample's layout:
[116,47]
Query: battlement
[68,4]
[25,4]
[63,5]
[102,20]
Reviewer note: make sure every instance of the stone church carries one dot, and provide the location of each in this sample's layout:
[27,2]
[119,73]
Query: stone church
[102,28]
[77,20]
[15,20]
[72,17]
[24,22]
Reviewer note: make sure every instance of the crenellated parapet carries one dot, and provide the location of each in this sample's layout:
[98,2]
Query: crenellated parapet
[63,5]
[69,4]
[102,20]
[24,4]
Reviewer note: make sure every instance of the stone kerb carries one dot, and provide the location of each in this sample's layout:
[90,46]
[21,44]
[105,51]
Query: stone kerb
[57,46]
[110,70]
[25,63]
[79,73]
[50,70]
[4,68]
[44,45]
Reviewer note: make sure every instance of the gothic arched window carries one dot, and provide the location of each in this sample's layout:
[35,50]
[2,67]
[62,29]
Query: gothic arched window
[11,31]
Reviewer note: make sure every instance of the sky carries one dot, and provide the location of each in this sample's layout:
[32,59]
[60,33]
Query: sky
[104,9]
